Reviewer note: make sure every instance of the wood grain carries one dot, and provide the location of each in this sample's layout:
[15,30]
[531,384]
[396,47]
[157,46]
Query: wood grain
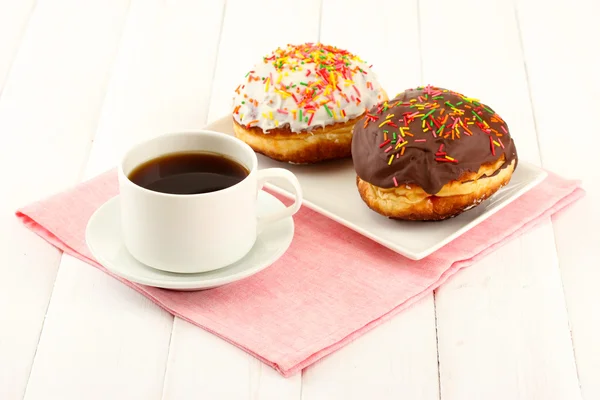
[502,324]
[48,111]
[14,16]
[198,362]
[563,69]
[160,83]
[399,358]
[82,81]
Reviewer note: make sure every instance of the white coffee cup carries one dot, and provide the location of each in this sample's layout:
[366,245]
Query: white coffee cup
[198,232]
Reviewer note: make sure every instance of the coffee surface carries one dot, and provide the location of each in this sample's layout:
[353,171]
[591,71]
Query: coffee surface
[188,173]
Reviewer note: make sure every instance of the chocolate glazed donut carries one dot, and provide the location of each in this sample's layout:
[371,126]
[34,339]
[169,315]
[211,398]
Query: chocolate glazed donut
[431,153]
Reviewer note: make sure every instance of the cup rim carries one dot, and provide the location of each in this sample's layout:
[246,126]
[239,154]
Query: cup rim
[202,132]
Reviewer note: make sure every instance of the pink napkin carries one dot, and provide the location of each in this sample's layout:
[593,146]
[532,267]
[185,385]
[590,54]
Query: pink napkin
[331,286]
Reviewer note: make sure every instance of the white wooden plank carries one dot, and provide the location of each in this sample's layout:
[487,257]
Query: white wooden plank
[249,33]
[163,79]
[502,325]
[29,268]
[563,68]
[100,340]
[161,82]
[203,365]
[48,110]
[14,16]
[397,359]
[199,362]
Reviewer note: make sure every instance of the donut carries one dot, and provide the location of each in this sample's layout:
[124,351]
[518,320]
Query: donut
[300,103]
[430,154]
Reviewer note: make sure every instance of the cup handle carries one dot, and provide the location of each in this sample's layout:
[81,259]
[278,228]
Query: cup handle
[265,175]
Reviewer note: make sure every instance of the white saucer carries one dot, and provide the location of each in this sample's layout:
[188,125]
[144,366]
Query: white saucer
[103,237]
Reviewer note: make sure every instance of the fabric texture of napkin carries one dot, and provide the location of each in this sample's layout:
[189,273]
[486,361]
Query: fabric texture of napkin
[331,286]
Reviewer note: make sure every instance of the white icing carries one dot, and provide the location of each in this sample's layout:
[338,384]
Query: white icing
[268,101]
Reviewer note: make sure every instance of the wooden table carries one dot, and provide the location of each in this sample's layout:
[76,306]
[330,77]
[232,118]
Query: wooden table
[80,81]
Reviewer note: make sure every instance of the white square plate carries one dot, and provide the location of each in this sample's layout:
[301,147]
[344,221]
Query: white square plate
[330,189]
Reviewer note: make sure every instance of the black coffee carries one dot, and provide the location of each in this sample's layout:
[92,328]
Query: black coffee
[188,173]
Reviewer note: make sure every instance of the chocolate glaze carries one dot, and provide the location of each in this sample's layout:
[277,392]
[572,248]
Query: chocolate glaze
[418,164]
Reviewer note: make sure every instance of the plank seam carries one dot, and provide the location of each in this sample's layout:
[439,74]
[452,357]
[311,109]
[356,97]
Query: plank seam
[8,74]
[537,136]
[418,5]
[301,384]
[214,74]
[43,324]
[216,59]
[320,21]
[437,346]
[79,179]
[535,125]
[20,40]
[421,73]
[162,396]
[111,70]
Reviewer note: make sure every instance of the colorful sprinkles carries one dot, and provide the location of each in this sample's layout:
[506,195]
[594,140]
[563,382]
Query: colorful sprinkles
[430,117]
[302,81]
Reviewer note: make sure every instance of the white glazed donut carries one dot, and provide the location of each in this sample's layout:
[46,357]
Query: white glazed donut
[300,92]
